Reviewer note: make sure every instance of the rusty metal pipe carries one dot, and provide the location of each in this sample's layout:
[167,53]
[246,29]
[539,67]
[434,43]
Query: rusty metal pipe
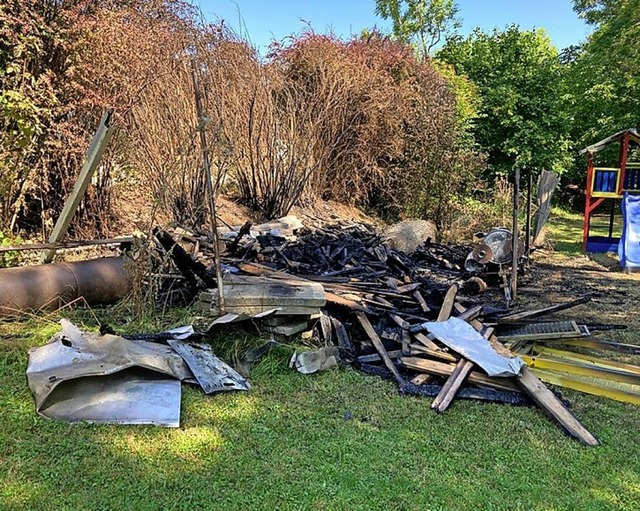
[99,281]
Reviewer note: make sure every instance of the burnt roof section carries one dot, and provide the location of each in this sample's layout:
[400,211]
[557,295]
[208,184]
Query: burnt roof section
[599,146]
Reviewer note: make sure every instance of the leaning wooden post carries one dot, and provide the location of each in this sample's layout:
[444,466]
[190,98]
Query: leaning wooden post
[527,248]
[514,240]
[94,155]
[210,192]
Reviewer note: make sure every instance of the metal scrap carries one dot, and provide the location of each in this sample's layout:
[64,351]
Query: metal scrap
[105,378]
[465,340]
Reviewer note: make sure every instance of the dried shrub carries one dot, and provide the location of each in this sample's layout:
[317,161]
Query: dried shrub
[69,60]
[391,140]
[480,212]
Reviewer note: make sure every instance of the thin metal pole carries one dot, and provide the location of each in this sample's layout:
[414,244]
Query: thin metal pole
[514,240]
[612,215]
[210,192]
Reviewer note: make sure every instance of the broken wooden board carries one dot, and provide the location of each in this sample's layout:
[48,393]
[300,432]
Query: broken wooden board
[452,385]
[287,329]
[443,369]
[447,304]
[515,317]
[371,333]
[258,309]
[550,403]
[251,291]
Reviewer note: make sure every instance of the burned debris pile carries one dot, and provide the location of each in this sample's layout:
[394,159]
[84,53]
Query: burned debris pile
[416,319]
[433,320]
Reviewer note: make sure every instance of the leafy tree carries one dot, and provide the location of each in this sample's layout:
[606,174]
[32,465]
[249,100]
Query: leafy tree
[521,120]
[423,23]
[603,80]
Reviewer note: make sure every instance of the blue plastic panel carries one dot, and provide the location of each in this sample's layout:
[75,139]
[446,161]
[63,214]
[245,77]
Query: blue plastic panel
[629,246]
[602,244]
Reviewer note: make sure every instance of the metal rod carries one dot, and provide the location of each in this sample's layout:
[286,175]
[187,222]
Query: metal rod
[210,192]
[612,215]
[514,239]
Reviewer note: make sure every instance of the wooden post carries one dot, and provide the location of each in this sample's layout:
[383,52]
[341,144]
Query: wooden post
[514,240]
[210,192]
[587,202]
[94,155]
[624,151]
[527,242]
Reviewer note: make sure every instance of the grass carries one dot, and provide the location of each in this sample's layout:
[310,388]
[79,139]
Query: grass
[565,229]
[337,440]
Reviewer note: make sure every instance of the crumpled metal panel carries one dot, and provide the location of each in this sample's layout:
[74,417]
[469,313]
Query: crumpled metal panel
[74,355]
[131,396]
[462,338]
[212,374]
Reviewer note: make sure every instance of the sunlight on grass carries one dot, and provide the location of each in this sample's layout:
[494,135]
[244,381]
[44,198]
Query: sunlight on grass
[335,440]
[19,493]
[148,445]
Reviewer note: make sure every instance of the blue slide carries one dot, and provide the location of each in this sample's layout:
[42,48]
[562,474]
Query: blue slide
[629,247]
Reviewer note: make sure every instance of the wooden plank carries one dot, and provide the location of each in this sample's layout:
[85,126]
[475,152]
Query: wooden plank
[371,333]
[421,379]
[420,337]
[339,301]
[447,304]
[344,341]
[513,318]
[423,303]
[417,349]
[424,365]
[451,386]
[462,370]
[257,309]
[94,155]
[287,329]
[406,343]
[374,357]
[548,401]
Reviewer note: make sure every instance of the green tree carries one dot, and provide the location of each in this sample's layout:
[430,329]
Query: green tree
[521,121]
[423,23]
[603,79]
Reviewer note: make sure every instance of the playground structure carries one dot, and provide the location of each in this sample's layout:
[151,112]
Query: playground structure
[621,183]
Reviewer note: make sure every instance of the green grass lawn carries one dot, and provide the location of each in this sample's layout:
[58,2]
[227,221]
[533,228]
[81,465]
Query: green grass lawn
[337,440]
[565,229]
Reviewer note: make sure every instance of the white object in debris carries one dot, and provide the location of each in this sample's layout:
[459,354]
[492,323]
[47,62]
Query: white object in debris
[462,338]
[309,362]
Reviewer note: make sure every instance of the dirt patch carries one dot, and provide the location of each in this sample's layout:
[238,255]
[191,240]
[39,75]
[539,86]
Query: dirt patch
[556,278]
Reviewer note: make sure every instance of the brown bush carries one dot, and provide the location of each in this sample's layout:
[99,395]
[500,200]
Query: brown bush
[362,121]
[69,60]
[392,135]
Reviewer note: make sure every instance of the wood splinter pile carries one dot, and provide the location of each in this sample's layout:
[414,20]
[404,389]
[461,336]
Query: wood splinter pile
[377,303]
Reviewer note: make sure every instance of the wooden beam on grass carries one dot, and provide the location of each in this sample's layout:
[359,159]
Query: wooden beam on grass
[553,407]
[539,392]
[452,385]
